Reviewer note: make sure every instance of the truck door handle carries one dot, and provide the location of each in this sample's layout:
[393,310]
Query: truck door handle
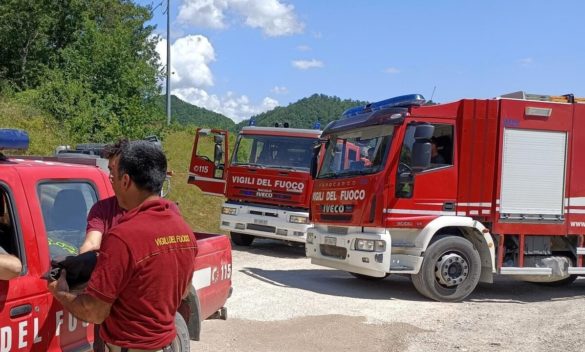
[448,206]
[20,310]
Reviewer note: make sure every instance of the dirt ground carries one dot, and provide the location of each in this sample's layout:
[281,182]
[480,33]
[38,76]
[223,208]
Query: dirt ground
[281,302]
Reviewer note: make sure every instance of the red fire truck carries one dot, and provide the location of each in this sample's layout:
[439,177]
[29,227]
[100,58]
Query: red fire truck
[44,203]
[267,183]
[455,193]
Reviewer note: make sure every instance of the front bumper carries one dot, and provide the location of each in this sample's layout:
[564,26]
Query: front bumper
[265,222]
[337,250]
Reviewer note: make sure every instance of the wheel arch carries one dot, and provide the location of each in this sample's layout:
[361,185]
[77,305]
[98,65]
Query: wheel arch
[472,230]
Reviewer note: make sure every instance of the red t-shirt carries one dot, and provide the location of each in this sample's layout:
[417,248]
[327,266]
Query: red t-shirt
[144,266]
[104,215]
[106,212]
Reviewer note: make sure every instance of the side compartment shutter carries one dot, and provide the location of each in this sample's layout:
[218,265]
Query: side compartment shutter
[533,174]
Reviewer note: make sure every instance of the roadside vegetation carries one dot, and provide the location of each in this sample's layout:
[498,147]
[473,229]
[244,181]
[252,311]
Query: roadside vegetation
[83,71]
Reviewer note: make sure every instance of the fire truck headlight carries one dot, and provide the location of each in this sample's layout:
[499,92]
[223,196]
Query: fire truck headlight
[370,245]
[229,211]
[310,238]
[298,219]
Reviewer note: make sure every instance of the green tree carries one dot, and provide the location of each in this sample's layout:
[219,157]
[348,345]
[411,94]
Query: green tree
[92,64]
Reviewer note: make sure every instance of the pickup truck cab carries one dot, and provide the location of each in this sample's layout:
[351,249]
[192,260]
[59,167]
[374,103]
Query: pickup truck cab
[43,210]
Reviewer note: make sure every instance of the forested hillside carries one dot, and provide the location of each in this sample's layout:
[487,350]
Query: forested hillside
[305,112]
[183,113]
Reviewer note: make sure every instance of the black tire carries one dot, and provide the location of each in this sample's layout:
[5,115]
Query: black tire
[460,270]
[181,342]
[368,277]
[241,239]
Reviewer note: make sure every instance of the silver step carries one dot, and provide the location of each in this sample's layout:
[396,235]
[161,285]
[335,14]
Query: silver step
[580,250]
[403,244]
[525,271]
[401,268]
[576,271]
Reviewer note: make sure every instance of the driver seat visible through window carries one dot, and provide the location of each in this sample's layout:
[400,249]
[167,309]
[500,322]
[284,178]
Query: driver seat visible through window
[69,211]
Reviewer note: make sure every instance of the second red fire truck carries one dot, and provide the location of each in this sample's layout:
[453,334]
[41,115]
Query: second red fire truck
[266,182]
[453,194]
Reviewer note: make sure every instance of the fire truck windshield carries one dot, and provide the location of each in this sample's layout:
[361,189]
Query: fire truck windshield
[293,153]
[356,152]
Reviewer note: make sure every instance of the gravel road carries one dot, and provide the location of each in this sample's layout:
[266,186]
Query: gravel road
[281,302]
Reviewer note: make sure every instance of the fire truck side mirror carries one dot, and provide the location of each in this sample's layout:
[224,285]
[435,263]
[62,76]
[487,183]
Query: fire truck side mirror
[424,132]
[421,155]
[421,149]
[315,159]
[217,154]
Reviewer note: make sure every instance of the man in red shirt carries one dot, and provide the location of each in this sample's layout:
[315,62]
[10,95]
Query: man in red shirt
[105,213]
[145,264]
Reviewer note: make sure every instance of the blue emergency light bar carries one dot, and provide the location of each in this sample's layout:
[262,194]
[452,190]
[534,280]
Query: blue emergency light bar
[396,102]
[11,138]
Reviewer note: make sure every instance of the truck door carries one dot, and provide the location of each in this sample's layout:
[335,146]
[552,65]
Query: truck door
[209,161]
[24,300]
[423,194]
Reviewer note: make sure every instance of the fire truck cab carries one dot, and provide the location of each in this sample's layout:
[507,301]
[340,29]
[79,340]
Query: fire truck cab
[455,193]
[267,181]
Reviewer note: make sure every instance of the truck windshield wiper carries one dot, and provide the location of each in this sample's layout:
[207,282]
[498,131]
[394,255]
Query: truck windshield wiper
[251,165]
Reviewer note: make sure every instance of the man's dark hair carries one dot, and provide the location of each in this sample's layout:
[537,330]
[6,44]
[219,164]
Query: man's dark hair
[114,149]
[145,163]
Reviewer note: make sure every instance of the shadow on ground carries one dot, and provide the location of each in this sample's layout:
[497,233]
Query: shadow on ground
[273,248]
[339,283]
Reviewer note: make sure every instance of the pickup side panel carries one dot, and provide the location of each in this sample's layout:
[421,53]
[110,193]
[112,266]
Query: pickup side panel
[213,272]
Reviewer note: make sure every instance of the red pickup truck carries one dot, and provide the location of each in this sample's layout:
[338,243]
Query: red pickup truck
[43,209]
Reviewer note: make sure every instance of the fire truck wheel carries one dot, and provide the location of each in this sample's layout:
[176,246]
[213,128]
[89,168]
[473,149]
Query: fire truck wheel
[368,277]
[450,270]
[241,239]
[181,342]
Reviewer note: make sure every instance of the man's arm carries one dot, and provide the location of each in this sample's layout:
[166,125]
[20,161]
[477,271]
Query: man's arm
[92,242]
[83,306]
[10,266]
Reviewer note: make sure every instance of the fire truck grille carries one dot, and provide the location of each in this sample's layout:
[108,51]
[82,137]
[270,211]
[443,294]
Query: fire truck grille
[262,228]
[336,217]
[333,251]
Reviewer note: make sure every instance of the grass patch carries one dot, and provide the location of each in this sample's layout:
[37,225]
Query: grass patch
[201,211]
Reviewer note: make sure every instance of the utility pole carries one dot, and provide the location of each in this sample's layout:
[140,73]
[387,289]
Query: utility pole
[168,62]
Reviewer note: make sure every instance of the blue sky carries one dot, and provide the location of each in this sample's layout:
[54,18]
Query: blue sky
[243,57]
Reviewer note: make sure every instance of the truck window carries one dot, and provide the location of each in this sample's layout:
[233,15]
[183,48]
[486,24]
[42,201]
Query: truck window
[357,152]
[9,239]
[274,151]
[65,206]
[441,156]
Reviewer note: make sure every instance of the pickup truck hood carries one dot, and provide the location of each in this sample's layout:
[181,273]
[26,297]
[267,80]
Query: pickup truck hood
[269,186]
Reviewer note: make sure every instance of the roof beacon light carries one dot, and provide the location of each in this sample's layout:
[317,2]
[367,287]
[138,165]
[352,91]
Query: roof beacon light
[396,102]
[11,138]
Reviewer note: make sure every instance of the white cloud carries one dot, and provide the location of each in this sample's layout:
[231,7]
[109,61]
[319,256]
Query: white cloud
[279,90]
[307,64]
[392,70]
[235,107]
[203,13]
[190,59]
[191,73]
[527,61]
[303,48]
[274,17]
